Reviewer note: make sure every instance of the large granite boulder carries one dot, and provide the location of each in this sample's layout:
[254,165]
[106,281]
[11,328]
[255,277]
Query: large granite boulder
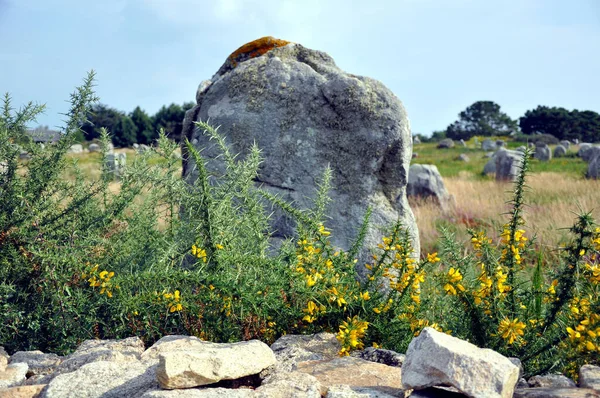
[425,181]
[305,113]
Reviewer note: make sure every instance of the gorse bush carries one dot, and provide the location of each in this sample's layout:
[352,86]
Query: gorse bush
[155,255]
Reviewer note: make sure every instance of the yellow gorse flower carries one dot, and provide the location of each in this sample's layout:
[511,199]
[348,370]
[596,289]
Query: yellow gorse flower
[511,330]
[454,277]
[433,258]
[199,253]
[350,335]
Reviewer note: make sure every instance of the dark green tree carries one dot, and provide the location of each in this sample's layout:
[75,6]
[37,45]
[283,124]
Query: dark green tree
[482,118]
[562,123]
[122,130]
[170,118]
[143,124]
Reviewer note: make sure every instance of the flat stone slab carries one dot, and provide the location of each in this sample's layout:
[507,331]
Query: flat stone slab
[213,363]
[354,372]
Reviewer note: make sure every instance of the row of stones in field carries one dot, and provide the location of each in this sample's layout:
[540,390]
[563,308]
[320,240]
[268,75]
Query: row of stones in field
[435,365]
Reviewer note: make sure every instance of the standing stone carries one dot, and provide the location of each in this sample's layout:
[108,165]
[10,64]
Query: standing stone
[446,143]
[542,152]
[434,358]
[566,144]
[77,148]
[416,140]
[490,166]
[115,162]
[521,148]
[462,143]
[591,153]
[508,164]
[593,171]
[425,181]
[583,148]
[305,113]
[560,151]
[94,147]
[463,157]
[488,145]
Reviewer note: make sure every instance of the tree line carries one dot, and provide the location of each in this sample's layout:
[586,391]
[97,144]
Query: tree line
[484,118]
[136,126]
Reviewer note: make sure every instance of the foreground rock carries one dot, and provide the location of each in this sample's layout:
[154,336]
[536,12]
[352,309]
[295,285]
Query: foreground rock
[436,359]
[364,374]
[589,377]
[13,375]
[39,364]
[213,363]
[305,113]
[425,181]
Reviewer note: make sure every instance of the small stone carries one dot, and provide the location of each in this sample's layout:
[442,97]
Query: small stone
[551,380]
[463,157]
[589,377]
[13,375]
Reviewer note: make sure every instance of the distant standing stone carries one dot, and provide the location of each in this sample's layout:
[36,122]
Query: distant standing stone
[488,145]
[542,152]
[416,140]
[566,143]
[508,164]
[115,163]
[94,148]
[463,157]
[560,151]
[77,148]
[462,143]
[425,181]
[446,143]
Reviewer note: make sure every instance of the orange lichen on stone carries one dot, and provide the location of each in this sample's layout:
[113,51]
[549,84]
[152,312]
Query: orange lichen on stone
[255,49]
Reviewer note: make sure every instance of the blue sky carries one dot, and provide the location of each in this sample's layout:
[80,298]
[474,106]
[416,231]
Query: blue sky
[437,56]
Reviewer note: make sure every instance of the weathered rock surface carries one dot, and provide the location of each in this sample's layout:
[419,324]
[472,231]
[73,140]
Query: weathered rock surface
[416,140]
[364,373]
[173,343]
[292,385]
[39,363]
[3,359]
[217,392]
[31,391]
[589,377]
[508,164]
[304,113]
[560,151]
[542,152]
[500,144]
[593,170]
[566,144]
[551,380]
[213,363]
[435,359]
[76,148]
[425,181]
[386,357]
[13,375]
[488,145]
[292,349]
[93,147]
[445,143]
[462,143]
[563,392]
[344,391]
[104,379]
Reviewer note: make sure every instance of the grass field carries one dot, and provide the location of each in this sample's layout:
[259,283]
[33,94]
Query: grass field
[557,192]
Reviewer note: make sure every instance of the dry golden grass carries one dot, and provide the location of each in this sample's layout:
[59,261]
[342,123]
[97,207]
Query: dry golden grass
[553,200]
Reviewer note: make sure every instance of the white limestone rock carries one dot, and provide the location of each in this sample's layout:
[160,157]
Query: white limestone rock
[434,358]
[13,375]
[213,363]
